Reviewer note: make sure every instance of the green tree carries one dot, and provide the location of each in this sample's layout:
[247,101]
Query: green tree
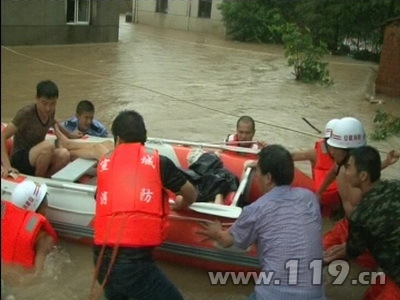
[304,56]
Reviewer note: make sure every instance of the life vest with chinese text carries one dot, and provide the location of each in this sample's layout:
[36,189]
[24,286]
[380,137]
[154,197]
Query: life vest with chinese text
[130,207]
[323,165]
[19,231]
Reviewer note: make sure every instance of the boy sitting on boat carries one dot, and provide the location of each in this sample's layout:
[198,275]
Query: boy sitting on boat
[84,121]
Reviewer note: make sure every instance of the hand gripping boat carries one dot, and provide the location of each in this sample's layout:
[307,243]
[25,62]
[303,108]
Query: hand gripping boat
[72,204]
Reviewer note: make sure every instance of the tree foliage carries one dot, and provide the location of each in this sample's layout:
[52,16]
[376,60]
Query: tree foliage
[385,125]
[352,25]
[305,56]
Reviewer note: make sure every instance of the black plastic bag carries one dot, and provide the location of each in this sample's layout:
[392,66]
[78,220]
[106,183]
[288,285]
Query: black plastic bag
[210,177]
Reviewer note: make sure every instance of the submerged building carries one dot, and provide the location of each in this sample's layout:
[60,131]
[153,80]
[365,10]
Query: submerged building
[192,15]
[47,22]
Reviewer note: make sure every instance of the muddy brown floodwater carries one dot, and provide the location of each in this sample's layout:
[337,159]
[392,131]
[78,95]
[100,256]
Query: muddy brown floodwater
[188,86]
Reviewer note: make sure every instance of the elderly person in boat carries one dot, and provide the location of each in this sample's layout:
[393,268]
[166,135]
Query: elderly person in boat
[285,224]
[26,235]
[131,213]
[374,223]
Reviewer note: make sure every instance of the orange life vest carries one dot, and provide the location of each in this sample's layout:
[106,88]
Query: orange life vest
[131,207]
[322,166]
[19,230]
[234,138]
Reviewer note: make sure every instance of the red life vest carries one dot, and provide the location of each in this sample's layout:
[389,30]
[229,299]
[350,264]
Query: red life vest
[131,207]
[19,230]
[322,166]
[234,138]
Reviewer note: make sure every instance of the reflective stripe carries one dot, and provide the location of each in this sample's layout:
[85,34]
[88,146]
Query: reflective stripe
[32,224]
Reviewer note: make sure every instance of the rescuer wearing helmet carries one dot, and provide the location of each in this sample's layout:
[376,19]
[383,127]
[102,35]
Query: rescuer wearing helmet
[348,133]
[27,237]
[321,163]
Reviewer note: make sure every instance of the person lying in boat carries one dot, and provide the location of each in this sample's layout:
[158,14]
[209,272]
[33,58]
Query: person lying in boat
[321,163]
[245,131]
[285,223]
[347,134]
[374,223]
[31,154]
[131,214]
[26,235]
[84,122]
[207,173]
[87,150]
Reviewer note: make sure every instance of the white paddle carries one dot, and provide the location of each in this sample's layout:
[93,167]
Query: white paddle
[213,209]
[220,210]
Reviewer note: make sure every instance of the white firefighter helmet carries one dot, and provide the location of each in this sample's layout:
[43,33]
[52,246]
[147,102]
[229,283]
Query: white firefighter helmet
[29,195]
[328,128]
[347,133]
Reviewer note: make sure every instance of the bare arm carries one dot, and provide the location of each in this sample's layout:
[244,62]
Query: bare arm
[308,154]
[186,196]
[391,158]
[7,133]
[43,246]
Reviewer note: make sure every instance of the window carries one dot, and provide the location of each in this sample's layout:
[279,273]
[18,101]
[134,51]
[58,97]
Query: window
[205,8]
[162,6]
[78,11]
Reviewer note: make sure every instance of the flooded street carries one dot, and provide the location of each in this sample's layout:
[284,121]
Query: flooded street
[188,86]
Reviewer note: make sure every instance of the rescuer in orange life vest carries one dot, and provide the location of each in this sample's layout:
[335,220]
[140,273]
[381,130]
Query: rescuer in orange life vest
[26,235]
[321,163]
[132,213]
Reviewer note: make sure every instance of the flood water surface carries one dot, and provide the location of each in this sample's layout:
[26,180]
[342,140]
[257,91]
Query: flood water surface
[188,86]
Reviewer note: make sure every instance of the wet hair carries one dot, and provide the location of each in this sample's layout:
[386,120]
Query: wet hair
[129,126]
[84,106]
[246,119]
[47,89]
[277,161]
[368,159]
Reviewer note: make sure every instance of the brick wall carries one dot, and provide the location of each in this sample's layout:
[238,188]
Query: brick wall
[388,80]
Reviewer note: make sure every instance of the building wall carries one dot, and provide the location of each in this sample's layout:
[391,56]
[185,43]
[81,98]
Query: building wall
[182,14]
[388,80]
[33,22]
